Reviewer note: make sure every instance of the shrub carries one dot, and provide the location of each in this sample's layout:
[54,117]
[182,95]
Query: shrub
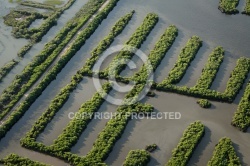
[224,154]
[204,103]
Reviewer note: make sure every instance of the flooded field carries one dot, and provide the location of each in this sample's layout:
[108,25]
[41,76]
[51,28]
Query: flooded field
[194,17]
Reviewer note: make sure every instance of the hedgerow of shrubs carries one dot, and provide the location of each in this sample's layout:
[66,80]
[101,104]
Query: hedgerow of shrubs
[6,68]
[151,148]
[234,84]
[157,54]
[204,103]
[184,59]
[224,154]
[136,40]
[241,118]
[237,78]
[51,75]
[137,157]
[106,42]
[14,159]
[190,139]
[247,8]
[211,68]
[228,6]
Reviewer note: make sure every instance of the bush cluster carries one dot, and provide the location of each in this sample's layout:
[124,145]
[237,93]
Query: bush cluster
[224,154]
[151,148]
[204,103]
[228,6]
[211,68]
[137,157]
[51,75]
[190,139]
[136,40]
[6,68]
[184,59]
[241,118]
[13,159]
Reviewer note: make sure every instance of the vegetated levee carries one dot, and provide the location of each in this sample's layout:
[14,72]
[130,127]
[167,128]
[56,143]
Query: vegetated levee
[51,75]
[190,139]
[228,6]
[247,8]
[241,118]
[14,159]
[184,59]
[38,5]
[211,68]
[118,63]
[224,154]
[6,68]
[137,157]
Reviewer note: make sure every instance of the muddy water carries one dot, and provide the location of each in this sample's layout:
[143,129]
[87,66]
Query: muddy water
[194,17]
[90,134]
[166,133]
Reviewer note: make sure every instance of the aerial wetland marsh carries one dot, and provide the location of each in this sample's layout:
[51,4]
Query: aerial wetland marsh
[173,75]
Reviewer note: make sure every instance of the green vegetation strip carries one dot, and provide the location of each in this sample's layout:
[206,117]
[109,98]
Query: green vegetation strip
[14,159]
[34,70]
[234,84]
[211,68]
[241,118]
[157,54]
[247,8]
[136,40]
[7,68]
[185,58]
[229,6]
[237,78]
[37,5]
[224,154]
[190,139]
[51,75]
[137,157]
